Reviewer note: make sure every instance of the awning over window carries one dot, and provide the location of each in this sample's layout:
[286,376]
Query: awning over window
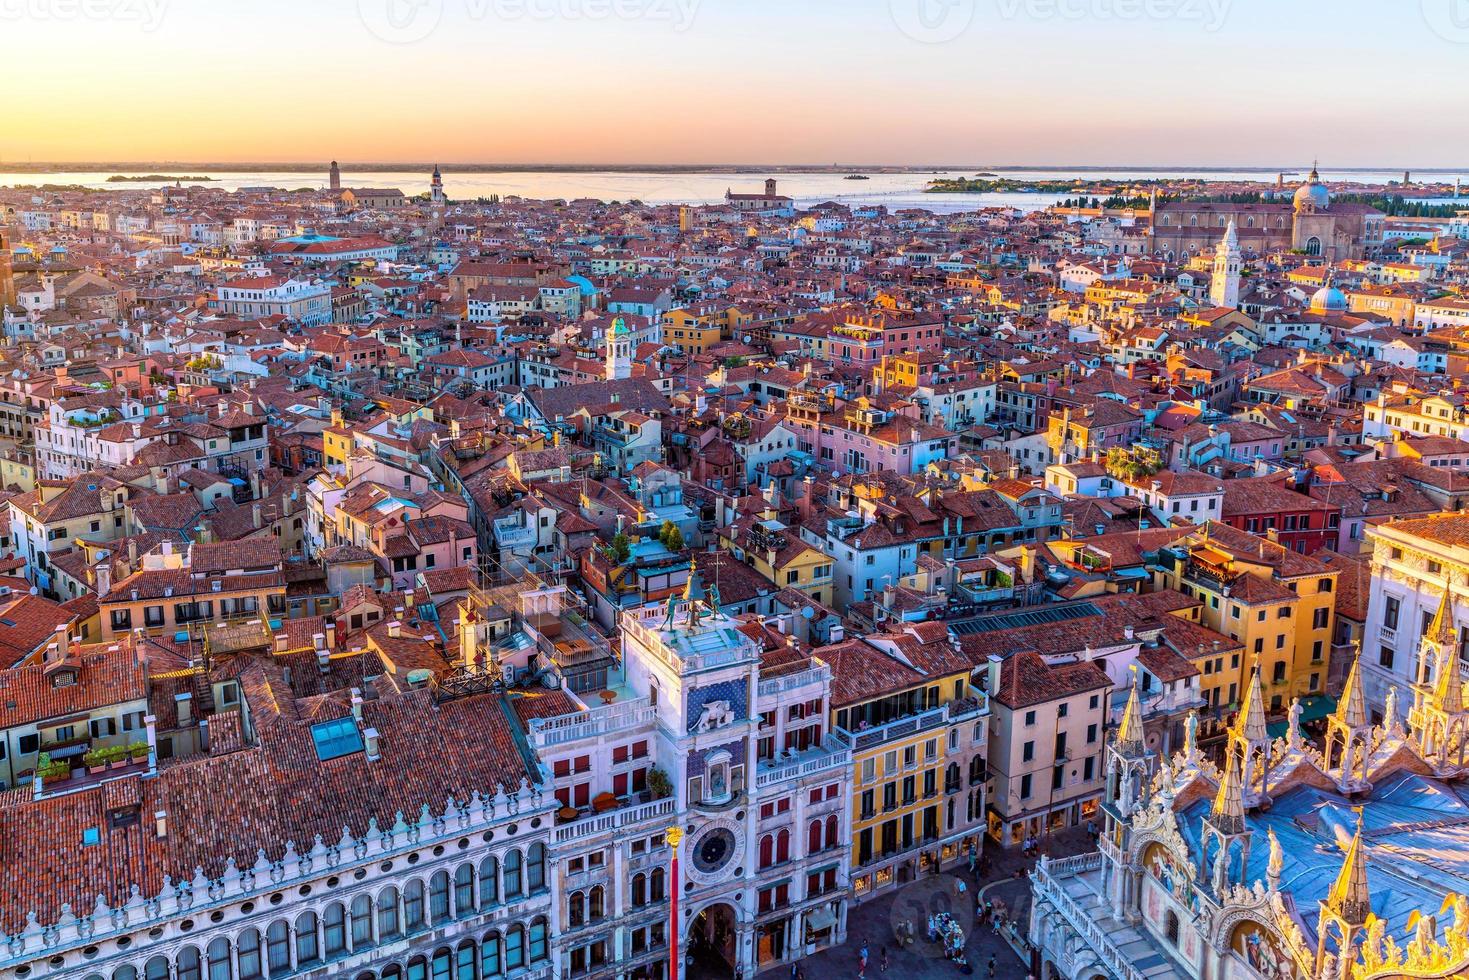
[820,919]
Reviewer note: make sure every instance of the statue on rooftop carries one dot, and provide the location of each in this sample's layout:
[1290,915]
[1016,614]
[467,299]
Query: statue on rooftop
[1293,729]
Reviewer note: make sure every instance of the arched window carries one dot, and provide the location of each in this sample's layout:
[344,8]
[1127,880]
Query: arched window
[466,959]
[639,890]
[334,929]
[247,947]
[307,948]
[125,973]
[783,846]
[1172,926]
[832,827]
[1313,246]
[538,932]
[218,956]
[442,965]
[1193,221]
[413,920]
[417,968]
[655,885]
[576,910]
[814,835]
[278,947]
[438,897]
[361,922]
[535,868]
[186,965]
[513,884]
[157,969]
[394,972]
[489,955]
[514,948]
[597,903]
[767,851]
[489,882]
[463,890]
[1250,221]
[387,914]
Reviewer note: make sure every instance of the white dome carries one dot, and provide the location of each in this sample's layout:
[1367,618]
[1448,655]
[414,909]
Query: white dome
[1312,195]
[1328,299]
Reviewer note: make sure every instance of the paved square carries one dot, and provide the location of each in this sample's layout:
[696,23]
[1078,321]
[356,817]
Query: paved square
[876,922]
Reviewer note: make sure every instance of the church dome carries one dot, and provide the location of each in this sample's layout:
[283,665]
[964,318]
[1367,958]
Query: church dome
[1312,195]
[1328,299]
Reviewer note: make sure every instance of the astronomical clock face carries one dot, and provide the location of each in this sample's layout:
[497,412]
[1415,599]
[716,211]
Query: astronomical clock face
[714,852]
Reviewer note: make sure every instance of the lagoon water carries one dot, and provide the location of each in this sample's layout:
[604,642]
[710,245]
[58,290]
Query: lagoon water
[893,190]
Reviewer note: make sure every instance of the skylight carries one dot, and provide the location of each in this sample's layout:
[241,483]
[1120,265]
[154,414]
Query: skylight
[336,738]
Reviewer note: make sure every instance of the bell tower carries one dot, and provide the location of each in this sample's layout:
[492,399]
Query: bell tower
[7,274]
[334,177]
[436,188]
[1224,283]
[619,351]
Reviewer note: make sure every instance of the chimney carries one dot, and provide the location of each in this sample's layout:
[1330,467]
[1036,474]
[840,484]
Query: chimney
[160,823]
[992,677]
[395,629]
[1272,535]
[102,574]
[331,634]
[281,642]
[357,706]
[255,515]
[370,744]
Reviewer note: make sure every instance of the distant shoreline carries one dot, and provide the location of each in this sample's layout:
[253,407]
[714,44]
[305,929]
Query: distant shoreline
[160,166]
[141,178]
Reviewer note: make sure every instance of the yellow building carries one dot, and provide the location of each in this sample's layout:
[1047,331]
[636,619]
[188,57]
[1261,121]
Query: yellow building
[694,330]
[778,553]
[337,441]
[1278,604]
[18,469]
[919,735]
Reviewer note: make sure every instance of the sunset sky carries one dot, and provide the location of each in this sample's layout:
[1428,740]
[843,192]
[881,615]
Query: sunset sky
[1214,82]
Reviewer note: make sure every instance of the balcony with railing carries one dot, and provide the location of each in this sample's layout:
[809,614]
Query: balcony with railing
[834,752]
[620,716]
[627,814]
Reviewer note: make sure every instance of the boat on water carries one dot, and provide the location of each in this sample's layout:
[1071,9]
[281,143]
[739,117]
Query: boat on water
[856,177]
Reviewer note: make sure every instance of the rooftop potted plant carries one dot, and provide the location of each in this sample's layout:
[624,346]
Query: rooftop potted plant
[49,771]
[659,785]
